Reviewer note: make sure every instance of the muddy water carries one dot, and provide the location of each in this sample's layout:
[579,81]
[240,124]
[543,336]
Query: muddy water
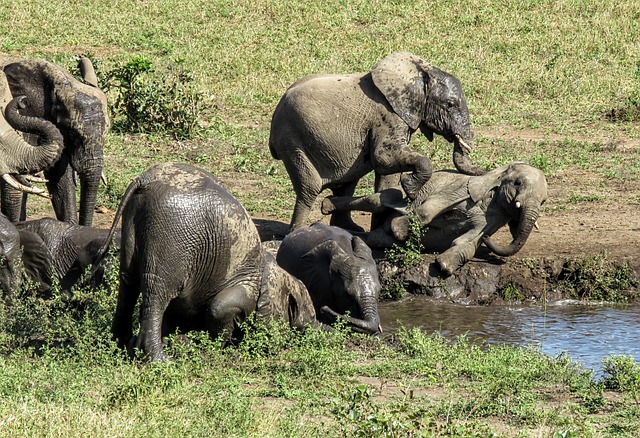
[587,333]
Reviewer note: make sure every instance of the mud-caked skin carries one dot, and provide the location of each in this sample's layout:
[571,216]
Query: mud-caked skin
[458,212]
[339,273]
[79,111]
[194,254]
[331,130]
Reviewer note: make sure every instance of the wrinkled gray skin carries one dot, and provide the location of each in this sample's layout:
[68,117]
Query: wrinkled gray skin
[331,130]
[193,252]
[458,212]
[339,273]
[72,248]
[79,111]
[48,249]
[17,156]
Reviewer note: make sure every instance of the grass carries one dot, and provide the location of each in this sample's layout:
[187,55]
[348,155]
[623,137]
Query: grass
[565,74]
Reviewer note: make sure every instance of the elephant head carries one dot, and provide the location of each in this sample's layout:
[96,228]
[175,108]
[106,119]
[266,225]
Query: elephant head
[352,281]
[428,98]
[17,156]
[521,190]
[79,111]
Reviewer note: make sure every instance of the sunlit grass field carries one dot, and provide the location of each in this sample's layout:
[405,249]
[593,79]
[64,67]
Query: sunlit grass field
[556,70]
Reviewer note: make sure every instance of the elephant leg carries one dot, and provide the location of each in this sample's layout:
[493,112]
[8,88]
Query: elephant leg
[375,203]
[156,296]
[228,309]
[62,187]
[379,238]
[462,250]
[307,185]
[122,326]
[381,184]
[389,160]
[13,202]
[342,218]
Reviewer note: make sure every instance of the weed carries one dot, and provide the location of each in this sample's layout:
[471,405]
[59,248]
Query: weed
[597,278]
[148,103]
[622,373]
[511,293]
[409,252]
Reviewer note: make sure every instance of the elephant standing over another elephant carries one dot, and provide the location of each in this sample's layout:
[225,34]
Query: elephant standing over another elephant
[331,130]
[79,111]
[339,273]
[458,212]
[193,252]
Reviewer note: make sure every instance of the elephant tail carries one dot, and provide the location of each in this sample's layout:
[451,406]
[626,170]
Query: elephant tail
[104,249]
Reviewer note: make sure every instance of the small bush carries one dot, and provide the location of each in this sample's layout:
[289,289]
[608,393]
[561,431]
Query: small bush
[622,373]
[150,101]
[409,253]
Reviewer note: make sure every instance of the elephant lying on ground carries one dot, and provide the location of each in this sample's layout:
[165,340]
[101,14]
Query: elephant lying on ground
[48,250]
[458,212]
[331,130]
[193,252]
[79,111]
[339,273]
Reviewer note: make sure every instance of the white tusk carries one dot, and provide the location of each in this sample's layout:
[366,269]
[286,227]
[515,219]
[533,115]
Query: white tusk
[463,144]
[17,185]
[35,179]
[103,177]
[536,226]
[518,205]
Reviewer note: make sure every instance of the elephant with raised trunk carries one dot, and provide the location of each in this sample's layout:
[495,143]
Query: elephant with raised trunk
[458,212]
[79,111]
[339,273]
[331,130]
[194,254]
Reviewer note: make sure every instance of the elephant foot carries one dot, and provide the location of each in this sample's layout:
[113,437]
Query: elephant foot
[327,206]
[411,185]
[400,228]
[448,263]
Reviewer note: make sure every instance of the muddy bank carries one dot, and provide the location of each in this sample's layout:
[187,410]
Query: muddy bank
[493,281]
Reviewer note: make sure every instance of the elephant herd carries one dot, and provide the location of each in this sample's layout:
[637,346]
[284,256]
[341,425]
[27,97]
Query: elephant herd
[191,249]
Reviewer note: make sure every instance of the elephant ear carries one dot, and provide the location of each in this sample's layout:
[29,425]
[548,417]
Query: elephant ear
[361,249]
[401,79]
[480,186]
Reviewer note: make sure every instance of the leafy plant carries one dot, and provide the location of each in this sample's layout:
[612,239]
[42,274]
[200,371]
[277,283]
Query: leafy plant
[622,373]
[150,101]
[409,252]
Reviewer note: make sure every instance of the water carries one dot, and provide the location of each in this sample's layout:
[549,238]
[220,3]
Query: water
[587,333]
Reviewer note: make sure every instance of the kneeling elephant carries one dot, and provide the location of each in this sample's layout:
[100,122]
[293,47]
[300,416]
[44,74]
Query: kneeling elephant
[458,212]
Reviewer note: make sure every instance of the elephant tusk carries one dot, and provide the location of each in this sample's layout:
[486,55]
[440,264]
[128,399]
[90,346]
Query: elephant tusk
[35,179]
[103,177]
[380,328]
[17,185]
[518,205]
[536,226]
[463,144]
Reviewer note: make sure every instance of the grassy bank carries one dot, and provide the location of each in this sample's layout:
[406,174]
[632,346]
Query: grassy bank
[60,375]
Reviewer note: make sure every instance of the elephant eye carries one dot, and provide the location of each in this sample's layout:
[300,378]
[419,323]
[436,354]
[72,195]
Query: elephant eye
[517,182]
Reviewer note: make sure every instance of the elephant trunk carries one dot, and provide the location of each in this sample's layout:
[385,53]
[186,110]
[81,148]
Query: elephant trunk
[461,158]
[528,218]
[370,322]
[89,185]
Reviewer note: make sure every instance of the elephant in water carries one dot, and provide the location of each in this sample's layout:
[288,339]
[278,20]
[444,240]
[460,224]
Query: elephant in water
[458,212]
[331,130]
[192,251]
[339,273]
[79,112]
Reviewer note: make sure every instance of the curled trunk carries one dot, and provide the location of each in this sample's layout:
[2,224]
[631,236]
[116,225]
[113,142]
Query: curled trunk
[462,161]
[370,322]
[528,218]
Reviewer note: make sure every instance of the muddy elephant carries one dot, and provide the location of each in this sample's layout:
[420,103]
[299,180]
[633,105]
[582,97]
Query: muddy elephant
[47,252]
[339,273]
[458,212]
[79,112]
[331,130]
[194,254]
[17,156]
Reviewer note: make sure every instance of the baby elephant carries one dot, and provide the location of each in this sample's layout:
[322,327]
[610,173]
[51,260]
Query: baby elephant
[339,273]
[193,252]
[458,212]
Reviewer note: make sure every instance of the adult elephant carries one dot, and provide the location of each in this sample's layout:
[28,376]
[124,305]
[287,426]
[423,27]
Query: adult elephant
[458,212]
[339,273]
[79,111]
[331,130]
[193,252]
